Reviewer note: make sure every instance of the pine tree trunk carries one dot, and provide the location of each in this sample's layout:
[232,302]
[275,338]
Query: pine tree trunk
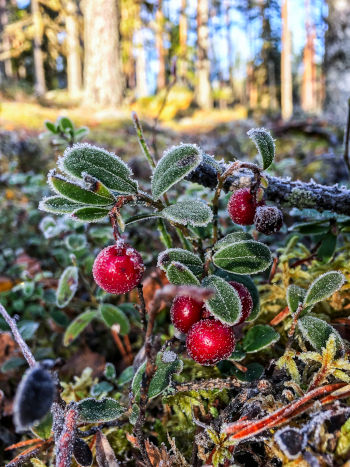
[337,60]
[308,91]
[286,67]
[140,65]
[40,85]
[102,72]
[6,70]
[161,78]
[203,91]
[182,65]
[74,68]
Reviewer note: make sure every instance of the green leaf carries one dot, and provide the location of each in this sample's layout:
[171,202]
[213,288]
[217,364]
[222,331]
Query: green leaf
[44,427]
[94,185]
[225,304]
[65,123]
[101,164]
[253,373]
[51,127]
[75,242]
[77,326]
[264,144]
[316,332]
[327,247]
[175,164]
[67,286]
[104,410]
[232,238]
[75,192]
[125,376]
[245,257]
[295,295]
[179,274]
[27,328]
[111,315]
[135,412]
[90,214]
[109,371]
[194,213]
[189,259]
[323,287]
[259,337]
[103,387]
[142,217]
[58,205]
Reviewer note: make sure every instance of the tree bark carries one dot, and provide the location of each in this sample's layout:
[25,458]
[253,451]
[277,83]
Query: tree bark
[40,85]
[141,76]
[103,72]
[203,91]
[6,70]
[286,67]
[182,66]
[161,77]
[337,60]
[308,91]
[74,66]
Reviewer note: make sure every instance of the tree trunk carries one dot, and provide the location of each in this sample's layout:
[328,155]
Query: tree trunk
[229,45]
[6,70]
[161,78]
[308,91]
[286,67]
[203,91]
[141,76]
[74,68]
[182,65]
[337,60]
[102,72]
[40,85]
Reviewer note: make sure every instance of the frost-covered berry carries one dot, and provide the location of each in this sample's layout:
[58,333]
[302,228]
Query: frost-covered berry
[242,206]
[245,298]
[268,219]
[209,341]
[185,311]
[118,269]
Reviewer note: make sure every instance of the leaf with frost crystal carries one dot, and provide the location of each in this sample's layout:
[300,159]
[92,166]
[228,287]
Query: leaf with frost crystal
[225,304]
[90,214]
[295,295]
[67,286]
[189,259]
[175,164]
[77,326]
[99,163]
[179,274]
[316,332]
[195,213]
[259,337]
[245,257]
[104,410]
[112,314]
[264,144]
[58,205]
[323,287]
[232,238]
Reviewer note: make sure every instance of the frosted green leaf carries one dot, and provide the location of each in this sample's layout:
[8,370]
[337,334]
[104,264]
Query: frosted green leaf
[253,373]
[264,144]
[295,295]
[142,217]
[189,259]
[49,227]
[245,257]
[109,371]
[323,287]
[94,185]
[232,238]
[103,387]
[104,410]
[175,164]
[316,332]
[67,286]
[225,304]
[111,315]
[75,242]
[259,337]
[125,376]
[90,214]
[58,205]
[179,274]
[195,213]
[43,428]
[135,412]
[77,326]
[99,163]
[75,192]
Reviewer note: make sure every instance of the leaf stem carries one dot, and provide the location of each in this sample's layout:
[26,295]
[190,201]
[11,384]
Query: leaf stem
[142,141]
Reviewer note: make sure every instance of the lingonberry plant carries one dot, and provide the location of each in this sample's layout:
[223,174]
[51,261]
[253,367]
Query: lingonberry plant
[213,302]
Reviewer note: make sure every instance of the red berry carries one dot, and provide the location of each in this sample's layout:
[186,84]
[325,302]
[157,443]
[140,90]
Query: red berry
[268,219]
[246,300]
[242,206]
[185,311]
[209,341]
[118,269]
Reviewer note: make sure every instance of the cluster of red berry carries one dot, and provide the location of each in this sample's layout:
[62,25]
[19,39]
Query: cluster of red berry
[244,209]
[208,340]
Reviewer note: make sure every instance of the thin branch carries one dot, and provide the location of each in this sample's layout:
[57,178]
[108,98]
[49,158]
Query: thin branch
[27,354]
[142,306]
[208,384]
[65,446]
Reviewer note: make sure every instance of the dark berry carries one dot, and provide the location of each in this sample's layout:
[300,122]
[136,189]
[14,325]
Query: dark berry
[245,298]
[118,269]
[209,341]
[185,311]
[242,206]
[268,219]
